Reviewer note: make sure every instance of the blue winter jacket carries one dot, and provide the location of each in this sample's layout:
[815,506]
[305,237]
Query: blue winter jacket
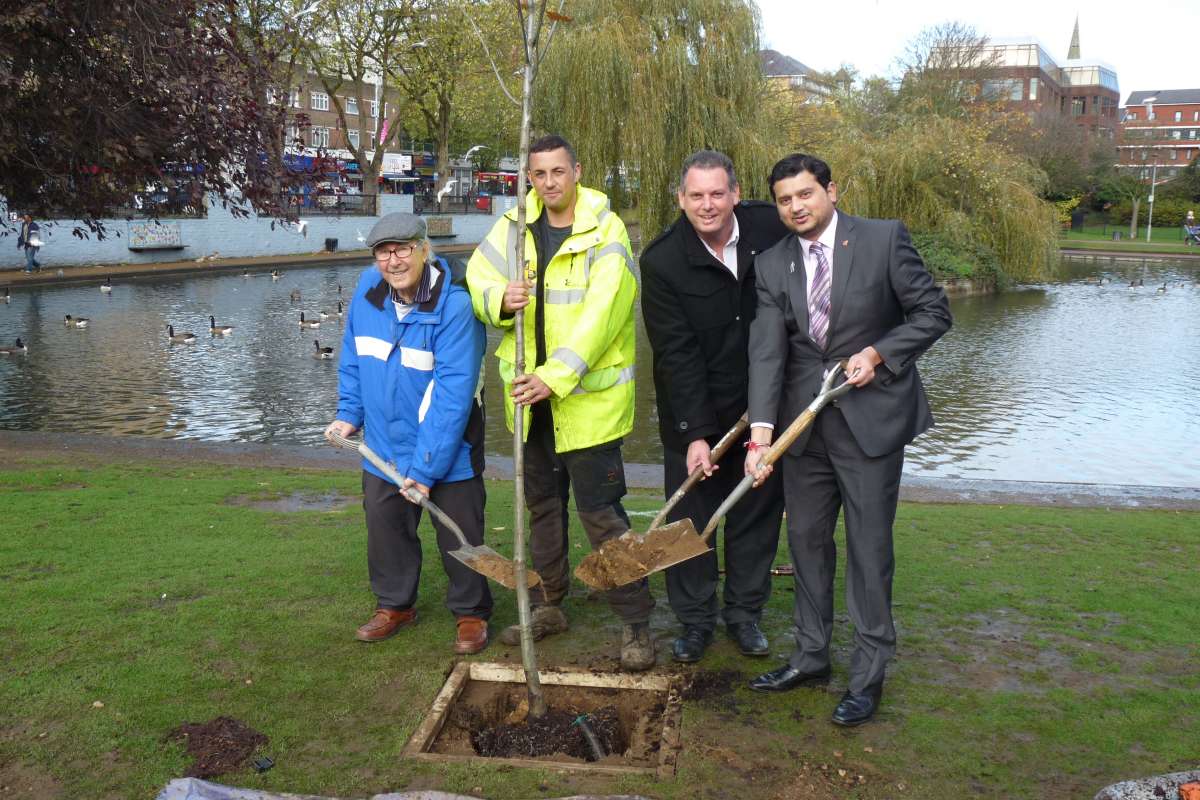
[413,386]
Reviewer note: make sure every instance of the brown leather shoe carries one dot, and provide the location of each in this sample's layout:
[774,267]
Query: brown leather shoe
[472,636]
[385,624]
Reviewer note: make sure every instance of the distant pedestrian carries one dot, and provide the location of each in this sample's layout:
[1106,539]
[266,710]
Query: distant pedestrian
[29,239]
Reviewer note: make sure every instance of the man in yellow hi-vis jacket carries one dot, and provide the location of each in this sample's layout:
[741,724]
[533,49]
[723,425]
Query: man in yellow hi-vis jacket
[579,353]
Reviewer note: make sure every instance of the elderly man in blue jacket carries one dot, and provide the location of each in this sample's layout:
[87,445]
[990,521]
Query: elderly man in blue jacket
[409,377]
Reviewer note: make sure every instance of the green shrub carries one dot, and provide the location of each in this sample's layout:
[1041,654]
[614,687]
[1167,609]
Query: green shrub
[1168,211]
[949,257]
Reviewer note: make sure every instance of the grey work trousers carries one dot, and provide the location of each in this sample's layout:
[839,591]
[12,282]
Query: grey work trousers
[394,550]
[597,477]
[834,473]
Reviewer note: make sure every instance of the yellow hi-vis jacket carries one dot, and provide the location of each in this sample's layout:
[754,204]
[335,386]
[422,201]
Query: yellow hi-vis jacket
[589,292]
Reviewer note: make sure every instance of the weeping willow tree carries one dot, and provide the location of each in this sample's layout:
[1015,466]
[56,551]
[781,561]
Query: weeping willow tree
[639,86]
[943,175]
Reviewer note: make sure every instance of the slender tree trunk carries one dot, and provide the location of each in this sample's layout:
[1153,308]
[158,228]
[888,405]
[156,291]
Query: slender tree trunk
[1133,219]
[537,698]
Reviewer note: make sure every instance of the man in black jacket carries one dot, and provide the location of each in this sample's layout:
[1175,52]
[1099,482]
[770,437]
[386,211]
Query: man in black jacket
[698,298]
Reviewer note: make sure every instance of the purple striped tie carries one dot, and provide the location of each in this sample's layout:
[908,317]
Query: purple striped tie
[818,299]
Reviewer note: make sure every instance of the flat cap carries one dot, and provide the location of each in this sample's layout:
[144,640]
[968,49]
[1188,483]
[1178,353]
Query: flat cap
[396,227]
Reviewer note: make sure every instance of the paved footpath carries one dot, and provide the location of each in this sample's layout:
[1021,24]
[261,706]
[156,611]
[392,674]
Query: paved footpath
[95,274]
[90,448]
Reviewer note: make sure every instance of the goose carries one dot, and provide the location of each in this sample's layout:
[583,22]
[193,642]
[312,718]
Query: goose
[7,296]
[75,322]
[339,290]
[322,352]
[1162,289]
[323,314]
[340,312]
[106,287]
[276,274]
[218,330]
[181,338]
[295,295]
[13,351]
[309,323]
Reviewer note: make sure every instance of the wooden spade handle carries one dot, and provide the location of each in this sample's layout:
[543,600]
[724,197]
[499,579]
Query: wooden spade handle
[789,437]
[719,450]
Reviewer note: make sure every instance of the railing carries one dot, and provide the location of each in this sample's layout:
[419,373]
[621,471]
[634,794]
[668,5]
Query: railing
[160,205]
[471,204]
[328,204]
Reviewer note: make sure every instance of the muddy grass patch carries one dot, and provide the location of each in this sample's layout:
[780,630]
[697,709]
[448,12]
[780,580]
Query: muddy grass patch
[295,502]
[602,722]
[218,746]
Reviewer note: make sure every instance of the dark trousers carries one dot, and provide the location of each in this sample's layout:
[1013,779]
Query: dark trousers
[751,539]
[394,551]
[834,473]
[597,477]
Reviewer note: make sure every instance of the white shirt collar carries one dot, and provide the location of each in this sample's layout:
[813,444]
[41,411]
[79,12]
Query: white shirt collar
[828,238]
[733,240]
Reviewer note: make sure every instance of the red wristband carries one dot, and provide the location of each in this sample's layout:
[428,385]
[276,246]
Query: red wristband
[755,445]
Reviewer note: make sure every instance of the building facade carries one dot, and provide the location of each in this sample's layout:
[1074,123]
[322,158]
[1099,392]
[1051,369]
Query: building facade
[1020,73]
[1160,133]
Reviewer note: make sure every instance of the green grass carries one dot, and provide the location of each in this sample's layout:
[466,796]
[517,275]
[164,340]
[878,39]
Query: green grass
[1165,240]
[1043,652]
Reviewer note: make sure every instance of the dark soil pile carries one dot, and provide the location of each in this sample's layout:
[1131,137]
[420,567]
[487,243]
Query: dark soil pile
[708,685]
[628,558]
[552,734]
[218,746]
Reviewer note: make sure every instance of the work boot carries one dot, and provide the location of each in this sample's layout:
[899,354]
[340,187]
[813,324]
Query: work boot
[472,636]
[545,621]
[637,649]
[386,623]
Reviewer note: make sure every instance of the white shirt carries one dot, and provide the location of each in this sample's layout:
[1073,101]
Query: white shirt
[828,239]
[728,255]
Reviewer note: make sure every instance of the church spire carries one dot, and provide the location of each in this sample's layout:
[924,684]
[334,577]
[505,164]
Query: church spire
[1073,50]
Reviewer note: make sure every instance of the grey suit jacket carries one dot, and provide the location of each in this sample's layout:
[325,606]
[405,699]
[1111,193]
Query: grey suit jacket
[882,295]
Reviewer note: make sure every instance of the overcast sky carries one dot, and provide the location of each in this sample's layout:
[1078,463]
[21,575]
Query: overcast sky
[1152,45]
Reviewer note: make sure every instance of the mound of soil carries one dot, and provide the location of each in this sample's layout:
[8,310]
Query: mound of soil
[552,734]
[218,746]
[706,685]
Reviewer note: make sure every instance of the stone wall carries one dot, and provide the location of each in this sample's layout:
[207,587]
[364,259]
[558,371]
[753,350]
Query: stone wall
[220,235]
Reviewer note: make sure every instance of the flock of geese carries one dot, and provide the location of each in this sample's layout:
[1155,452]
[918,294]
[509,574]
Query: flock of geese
[1140,283]
[214,329]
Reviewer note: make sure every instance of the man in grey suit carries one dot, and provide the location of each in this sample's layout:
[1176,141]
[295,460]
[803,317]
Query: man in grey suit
[839,287]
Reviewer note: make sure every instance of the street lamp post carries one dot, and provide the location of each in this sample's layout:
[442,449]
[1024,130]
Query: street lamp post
[1150,213]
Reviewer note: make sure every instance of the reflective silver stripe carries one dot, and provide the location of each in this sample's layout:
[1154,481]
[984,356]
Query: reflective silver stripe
[487,302]
[565,296]
[603,215]
[514,268]
[624,376]
[571,359]
[489,251]
[617,247]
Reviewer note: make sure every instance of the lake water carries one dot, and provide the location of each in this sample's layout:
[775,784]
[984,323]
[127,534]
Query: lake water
[1075,380]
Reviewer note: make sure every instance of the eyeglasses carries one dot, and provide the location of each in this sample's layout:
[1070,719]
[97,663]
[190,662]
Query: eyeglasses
[400,251]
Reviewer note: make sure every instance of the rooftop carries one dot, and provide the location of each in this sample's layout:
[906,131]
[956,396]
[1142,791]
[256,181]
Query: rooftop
[776,65]
[1164,97]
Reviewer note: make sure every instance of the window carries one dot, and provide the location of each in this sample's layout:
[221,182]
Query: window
[1191,133]
[1196,116]
[1033,87]
[1171,155]
[1078,106]
[293,135]
[352,135]
[1179,116]
[318,135]
[319,101]
[1130,115]
[1172,172]
[1150,115]
[351,105]
[1143,155]
[373,107]
[1177,134]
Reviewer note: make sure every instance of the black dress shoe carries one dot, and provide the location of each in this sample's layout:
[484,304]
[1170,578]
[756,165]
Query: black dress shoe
[855,709]
[750,639]
[786,677]
[691,645]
